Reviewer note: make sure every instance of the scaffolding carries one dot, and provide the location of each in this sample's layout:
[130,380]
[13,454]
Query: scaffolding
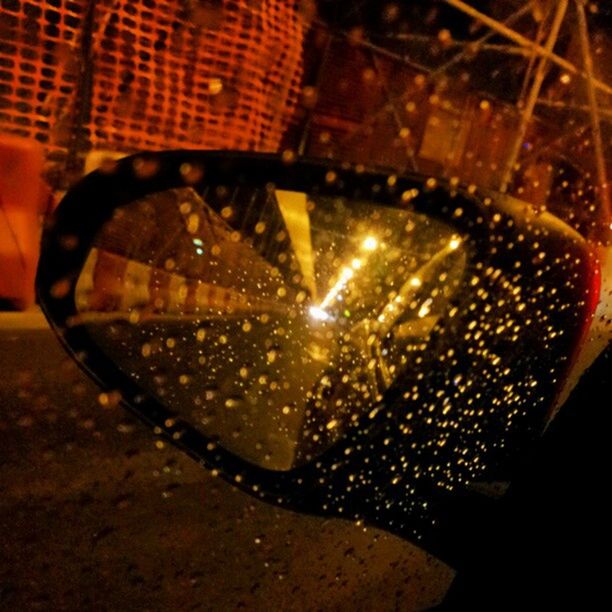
[539,55]
[122,76]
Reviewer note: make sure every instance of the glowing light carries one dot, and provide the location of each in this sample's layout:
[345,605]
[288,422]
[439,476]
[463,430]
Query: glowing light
[345,276]
[197,242]
[199,251]
[425,309]
[347,272]
[415,281]
[319,314]
[454,243]
[370,243]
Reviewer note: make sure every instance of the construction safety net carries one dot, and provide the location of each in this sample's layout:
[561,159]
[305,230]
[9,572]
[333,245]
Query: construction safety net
[129,75]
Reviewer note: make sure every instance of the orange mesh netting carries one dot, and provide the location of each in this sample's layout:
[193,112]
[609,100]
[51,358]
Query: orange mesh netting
[224,80]
[38,68]
[164,73]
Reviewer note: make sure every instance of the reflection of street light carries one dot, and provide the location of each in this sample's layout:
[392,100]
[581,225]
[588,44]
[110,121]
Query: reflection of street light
[425,308]
[454,243]
[345,276]
[319,314]
[370,243]
[415,281]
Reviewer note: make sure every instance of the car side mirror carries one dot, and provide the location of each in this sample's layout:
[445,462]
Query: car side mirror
[334,340]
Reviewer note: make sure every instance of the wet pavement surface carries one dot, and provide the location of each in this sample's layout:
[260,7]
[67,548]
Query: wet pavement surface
[98,514]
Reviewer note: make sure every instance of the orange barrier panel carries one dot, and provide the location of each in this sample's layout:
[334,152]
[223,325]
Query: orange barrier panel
[22,198]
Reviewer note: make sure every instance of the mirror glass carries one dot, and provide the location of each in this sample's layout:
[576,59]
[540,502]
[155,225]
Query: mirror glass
[270,320]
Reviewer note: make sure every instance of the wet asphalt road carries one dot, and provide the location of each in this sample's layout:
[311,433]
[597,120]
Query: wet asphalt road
[95,515]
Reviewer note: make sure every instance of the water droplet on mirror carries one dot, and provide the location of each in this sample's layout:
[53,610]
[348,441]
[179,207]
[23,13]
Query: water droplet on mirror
[60,289]
[234,402]
[193,223]
[145,168]
[191,173]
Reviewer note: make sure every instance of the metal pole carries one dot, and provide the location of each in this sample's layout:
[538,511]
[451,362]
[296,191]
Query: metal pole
[79,139]
[533,95]
[519,39]
[307,125]
[532,59]
[606,112]
[594,111]
[479,43]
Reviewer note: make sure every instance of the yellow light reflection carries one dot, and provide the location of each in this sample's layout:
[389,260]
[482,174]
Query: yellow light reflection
[318,312]
[346,274]
[370,244]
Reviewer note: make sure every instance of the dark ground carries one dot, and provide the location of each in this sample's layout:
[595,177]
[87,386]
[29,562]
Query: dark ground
[94,516]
